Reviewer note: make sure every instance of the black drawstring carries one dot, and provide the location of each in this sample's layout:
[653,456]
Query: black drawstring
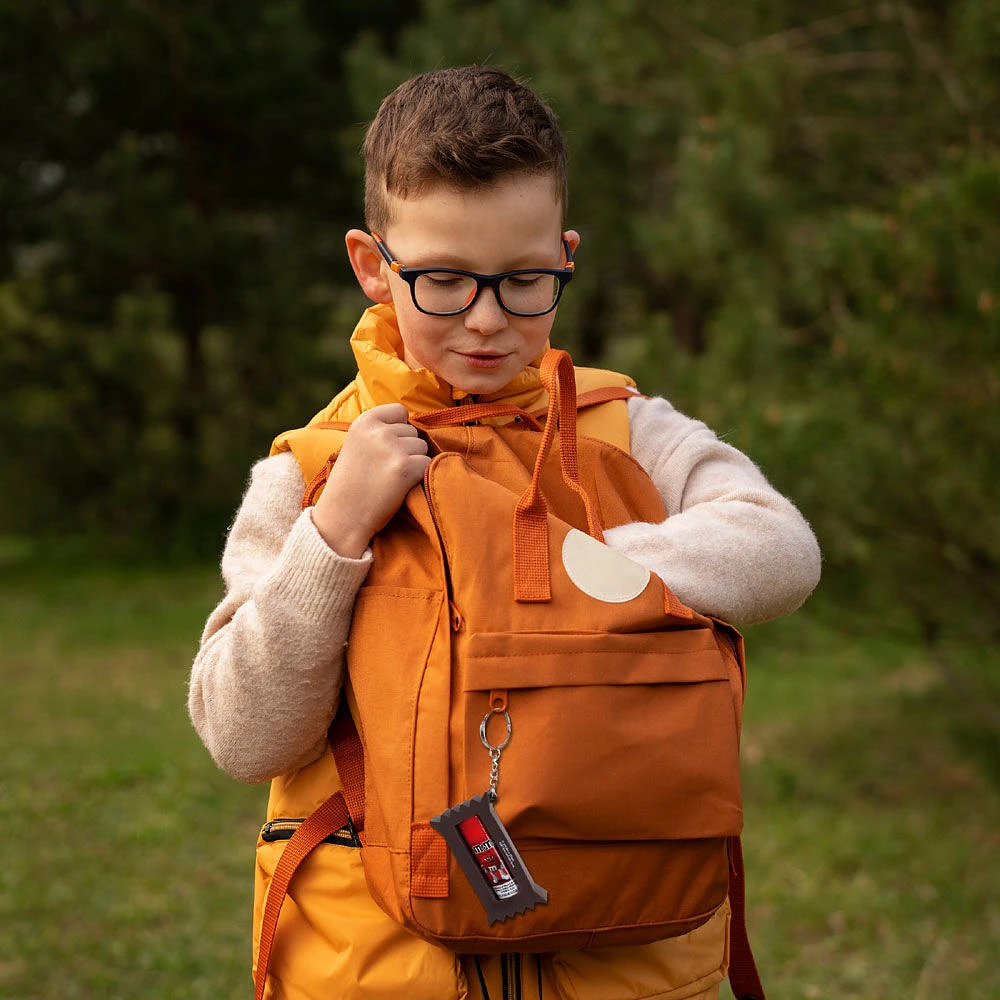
[510,987]
[482,979]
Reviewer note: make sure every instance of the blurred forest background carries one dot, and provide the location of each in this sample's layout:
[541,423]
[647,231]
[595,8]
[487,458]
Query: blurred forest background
[790,219]
[790,213]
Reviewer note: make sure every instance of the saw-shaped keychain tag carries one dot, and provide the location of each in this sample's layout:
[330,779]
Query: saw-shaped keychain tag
[483,847]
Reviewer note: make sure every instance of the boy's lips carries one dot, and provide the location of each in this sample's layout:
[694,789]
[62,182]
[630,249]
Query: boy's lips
[483,359]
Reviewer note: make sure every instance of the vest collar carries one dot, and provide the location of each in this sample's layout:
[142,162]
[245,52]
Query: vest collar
[384,377]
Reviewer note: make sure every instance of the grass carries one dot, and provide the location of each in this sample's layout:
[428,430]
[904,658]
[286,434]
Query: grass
[126,860]
[872,805]
[873,819]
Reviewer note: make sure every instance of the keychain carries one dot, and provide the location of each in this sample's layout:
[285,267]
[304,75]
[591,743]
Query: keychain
[481,843]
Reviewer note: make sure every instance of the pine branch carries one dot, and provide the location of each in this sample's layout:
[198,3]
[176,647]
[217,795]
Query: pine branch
[932,59]
[806,34]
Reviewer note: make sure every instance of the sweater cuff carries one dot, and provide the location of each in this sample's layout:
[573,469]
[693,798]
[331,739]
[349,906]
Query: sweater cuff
[309,576]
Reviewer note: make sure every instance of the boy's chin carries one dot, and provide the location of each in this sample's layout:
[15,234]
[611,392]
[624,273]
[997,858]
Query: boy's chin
[481,386]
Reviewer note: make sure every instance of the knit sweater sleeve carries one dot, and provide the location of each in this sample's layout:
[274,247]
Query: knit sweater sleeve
[266,680]
[731,546]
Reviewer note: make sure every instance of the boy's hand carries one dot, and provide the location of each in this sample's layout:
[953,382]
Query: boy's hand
[382,457]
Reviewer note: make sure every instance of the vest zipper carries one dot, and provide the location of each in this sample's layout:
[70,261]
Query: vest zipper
[510,971]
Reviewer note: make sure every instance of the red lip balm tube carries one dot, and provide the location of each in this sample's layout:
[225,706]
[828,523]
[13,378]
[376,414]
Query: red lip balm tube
[484,851]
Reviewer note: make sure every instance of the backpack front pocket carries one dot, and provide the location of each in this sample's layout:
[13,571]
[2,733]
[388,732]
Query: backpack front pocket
[613,736]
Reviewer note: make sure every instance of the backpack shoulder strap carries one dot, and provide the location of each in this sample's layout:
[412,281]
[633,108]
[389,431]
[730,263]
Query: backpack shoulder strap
[601,398]
[743,976]
[341,809]
[601,413]
[326,819]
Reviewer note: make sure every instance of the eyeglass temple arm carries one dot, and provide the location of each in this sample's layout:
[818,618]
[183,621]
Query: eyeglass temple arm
[394,264]
[570,263]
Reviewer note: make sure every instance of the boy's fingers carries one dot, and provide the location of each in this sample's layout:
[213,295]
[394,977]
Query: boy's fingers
[390,413]
[392,417]
[414,445]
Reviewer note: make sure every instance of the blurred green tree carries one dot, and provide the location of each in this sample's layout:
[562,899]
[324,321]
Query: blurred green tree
[173,189]
[787,216]
[788,213]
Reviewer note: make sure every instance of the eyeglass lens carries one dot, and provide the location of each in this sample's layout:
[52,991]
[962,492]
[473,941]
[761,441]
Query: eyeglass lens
[441,292]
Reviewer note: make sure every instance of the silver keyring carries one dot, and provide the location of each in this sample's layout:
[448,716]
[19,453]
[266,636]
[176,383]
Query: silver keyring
[482,729]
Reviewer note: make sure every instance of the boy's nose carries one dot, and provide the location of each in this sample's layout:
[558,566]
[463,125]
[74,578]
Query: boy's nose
[485,315]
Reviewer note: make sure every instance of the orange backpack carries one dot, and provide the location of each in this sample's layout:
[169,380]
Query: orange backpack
[542,744]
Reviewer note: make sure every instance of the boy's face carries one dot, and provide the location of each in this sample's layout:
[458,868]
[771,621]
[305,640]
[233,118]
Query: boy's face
[513,223]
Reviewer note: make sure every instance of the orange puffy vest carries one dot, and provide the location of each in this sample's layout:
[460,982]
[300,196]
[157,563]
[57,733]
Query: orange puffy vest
[491,600]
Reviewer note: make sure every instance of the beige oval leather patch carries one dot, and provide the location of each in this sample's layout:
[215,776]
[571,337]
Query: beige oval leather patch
[600,571]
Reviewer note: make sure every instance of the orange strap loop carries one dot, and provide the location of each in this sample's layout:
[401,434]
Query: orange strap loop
[532,580]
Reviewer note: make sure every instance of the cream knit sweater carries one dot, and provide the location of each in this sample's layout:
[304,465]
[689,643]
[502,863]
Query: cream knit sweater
[266,680]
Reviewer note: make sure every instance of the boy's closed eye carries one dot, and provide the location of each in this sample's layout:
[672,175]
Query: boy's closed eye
[444,280]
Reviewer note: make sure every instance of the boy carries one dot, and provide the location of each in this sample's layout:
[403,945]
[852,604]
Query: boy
[465,172]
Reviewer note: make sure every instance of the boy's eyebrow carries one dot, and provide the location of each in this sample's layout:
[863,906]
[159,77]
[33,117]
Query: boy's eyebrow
[458,262]
[442,258]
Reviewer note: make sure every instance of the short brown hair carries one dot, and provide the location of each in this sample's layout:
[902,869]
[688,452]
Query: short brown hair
[463,127]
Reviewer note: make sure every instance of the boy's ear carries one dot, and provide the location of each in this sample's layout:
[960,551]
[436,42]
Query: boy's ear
[368,266]
[572,237]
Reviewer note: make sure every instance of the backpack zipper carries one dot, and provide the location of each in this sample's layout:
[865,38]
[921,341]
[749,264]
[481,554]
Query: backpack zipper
[283,829]
[457,620]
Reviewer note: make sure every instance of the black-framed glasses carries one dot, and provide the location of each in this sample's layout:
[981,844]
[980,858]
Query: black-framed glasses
[448,291]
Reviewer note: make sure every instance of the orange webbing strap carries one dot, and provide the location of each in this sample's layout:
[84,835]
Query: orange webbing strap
[531,540]
[349,755]
[317,483]
[565,383]
[327,819]
[467,412]
[341,808]
[594,397]
[743,976]
[454,415]
[319,480]
[532,582]
[449,417]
